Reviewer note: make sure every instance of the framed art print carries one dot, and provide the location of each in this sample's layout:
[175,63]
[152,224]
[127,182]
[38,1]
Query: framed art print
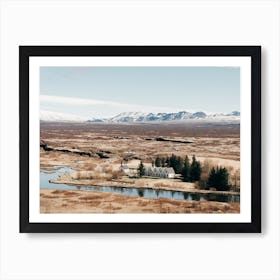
[140,138]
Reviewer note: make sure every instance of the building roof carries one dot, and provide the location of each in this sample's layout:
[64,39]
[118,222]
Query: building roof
[170,170]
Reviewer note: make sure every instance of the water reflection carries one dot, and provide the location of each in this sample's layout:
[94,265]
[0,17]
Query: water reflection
[141,192]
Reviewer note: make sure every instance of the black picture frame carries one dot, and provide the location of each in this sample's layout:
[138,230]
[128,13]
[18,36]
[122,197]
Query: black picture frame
[254,52]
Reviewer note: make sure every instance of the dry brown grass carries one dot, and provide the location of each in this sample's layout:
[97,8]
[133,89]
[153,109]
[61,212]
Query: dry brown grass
[90,175]
[49,196]
[57,192]
[213,144]
[69,193]
[117,175]
[161,185]
[89,166]
[96,202]
[209,140]
[90,197]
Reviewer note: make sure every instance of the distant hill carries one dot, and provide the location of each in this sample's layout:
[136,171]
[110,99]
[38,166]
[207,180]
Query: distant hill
[138,117]
[161,117]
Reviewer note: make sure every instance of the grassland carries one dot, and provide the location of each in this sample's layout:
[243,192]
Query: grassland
[95,152]
[61,201]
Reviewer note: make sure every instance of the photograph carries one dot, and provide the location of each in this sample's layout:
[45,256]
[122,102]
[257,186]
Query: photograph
[139,139]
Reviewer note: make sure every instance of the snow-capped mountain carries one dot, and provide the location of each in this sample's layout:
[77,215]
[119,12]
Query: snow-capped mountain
[50,116]
[138,117]
[146,117]
[234,113]
[183,115]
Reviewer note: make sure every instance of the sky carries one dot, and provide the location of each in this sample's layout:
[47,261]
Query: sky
[99,92]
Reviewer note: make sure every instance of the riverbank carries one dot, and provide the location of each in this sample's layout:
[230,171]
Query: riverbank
[62,201]
[147,183]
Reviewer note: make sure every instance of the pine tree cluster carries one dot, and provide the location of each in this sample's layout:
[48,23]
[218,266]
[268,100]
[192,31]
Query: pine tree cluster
[190,172]
[218,179]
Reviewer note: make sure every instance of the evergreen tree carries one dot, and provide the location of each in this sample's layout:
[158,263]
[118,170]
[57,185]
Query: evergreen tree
[218,178]
[186,170]
[141,169]
[167,162]
[195,170]
[211,182]
[173,162]
[223,179]
[163,161]
[158,162]
[179,165]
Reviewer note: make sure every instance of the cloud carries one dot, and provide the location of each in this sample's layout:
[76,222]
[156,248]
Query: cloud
[57,116]
[100,107]
[76,101]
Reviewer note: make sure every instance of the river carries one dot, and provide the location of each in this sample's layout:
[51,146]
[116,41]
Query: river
[46,176]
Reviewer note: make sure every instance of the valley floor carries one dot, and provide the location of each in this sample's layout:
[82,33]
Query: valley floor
[61,201]
[94,152]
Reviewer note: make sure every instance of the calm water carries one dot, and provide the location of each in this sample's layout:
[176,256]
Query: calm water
[45,176]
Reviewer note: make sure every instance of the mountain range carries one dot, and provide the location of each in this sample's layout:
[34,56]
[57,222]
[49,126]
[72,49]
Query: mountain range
[138,117]
[183,115]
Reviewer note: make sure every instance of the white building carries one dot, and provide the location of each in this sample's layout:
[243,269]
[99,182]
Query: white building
[124,168]
[161,172]
[129,171]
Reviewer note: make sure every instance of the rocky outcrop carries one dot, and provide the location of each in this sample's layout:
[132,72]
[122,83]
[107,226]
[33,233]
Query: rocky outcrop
[173,140]
[100,154]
